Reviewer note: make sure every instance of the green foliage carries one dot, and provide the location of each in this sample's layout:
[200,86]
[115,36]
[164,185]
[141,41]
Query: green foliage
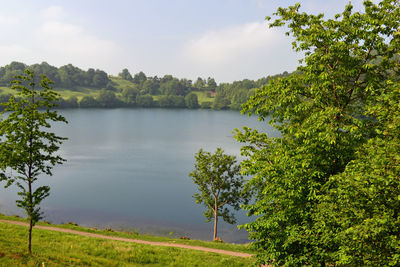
[220,102]
[211,84]
[219,182]
[173,87]
[72,77]
[72,80]
[325,190]
[9,71]
[51,72]
[71,102]
[206,105]
[233,95]
[129,95]
[125,74]
[88,102]
[4,98]
[200,84]
[145,101]
[139,78]
[151,86]
[111,87]
[364,201]
[108,99]
[191,101]
[28,148]
[171,101]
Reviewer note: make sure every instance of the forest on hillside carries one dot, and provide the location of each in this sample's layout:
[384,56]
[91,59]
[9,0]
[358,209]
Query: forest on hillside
[97,89]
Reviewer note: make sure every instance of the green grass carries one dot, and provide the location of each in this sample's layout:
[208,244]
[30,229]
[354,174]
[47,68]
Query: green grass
[79,93]
[121,83]
[202,97]
[61,249]
[226,246]
[65,93]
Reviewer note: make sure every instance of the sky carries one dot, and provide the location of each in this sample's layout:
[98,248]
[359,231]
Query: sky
[225,39]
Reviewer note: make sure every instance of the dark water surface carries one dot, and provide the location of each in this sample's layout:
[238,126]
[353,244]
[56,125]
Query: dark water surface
[128,169]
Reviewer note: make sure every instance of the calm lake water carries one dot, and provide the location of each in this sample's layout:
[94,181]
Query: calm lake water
[128,169]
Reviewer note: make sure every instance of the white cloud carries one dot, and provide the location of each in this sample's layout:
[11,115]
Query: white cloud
[7,21]
[13,52]
[221,47]
[53,12]
[246,51]
[51,37]
[65,43]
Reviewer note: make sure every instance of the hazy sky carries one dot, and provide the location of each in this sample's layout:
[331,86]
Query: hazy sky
[225,39]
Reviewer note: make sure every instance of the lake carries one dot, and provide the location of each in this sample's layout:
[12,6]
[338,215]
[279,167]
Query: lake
[128,169]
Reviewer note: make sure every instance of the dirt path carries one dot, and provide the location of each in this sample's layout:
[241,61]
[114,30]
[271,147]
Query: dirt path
[153,243]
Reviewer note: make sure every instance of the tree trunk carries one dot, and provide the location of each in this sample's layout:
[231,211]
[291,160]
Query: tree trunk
[30,236]
[215,224]
[30,207]
[30,211]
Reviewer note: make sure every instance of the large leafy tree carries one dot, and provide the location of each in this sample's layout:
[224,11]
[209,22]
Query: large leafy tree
[363,206]
[27,147]
[219,182]
[324,114]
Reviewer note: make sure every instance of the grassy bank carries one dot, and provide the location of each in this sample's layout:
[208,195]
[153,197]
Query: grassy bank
[61,249]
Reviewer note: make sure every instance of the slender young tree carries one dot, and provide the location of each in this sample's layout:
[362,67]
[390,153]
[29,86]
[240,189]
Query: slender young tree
[220,184]
[27,147]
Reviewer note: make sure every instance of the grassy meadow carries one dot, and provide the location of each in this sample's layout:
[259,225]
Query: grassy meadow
[63,249]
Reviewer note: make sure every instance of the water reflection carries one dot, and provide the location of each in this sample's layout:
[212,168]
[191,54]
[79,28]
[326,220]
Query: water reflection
[128,168]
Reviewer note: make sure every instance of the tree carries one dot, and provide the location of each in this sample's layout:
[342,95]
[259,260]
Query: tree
[88,102]
[139,78]
[72,102]
[108,99]
[172,87]
[125,74]
[211,84]
[191,101]
[51,72]
[151,86]
[110,86]
[100,79]
[171,101]
[220,102]
[129,94]
[364,201]
[177,101]
[11,70]
[28,149]
[200,84]
[145,101]
[323,112]
[219,181]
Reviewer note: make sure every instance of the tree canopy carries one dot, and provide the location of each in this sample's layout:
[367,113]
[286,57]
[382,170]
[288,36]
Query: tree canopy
[219,182]
[322,188]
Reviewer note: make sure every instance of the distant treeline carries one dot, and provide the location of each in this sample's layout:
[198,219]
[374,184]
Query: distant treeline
[67,76]
[138,90]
